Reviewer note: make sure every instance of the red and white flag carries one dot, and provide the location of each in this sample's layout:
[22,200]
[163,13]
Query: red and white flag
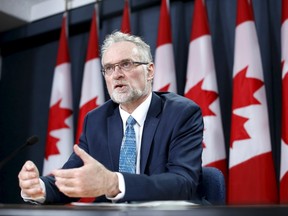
[201,87]
[252,178]
[165,75]
[92,94]
[284,139]
[59,140]
[125,25]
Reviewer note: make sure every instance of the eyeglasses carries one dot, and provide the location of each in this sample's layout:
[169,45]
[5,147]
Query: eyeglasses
[124,65]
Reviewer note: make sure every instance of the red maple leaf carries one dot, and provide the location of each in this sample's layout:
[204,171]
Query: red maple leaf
[165,88]
[203,98]
[87,107]
[57,117]
[238,132]
[243,95]
[244,88]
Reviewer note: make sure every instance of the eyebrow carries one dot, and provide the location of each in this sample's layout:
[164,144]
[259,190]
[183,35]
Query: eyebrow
[127,59]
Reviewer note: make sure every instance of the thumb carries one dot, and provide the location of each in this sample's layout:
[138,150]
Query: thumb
[30,166]
[86,158]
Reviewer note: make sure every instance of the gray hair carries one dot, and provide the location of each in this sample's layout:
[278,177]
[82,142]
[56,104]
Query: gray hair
[143,48]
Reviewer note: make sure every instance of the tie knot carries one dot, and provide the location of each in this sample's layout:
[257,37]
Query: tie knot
[131,121]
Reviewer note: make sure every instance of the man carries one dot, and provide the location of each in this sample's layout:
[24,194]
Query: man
[168,132]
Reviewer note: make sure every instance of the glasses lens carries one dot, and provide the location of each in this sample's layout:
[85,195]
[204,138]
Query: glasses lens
[108,69]
[126,65]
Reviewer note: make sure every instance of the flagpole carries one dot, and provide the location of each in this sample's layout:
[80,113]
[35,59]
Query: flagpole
[66,15]
[66,5]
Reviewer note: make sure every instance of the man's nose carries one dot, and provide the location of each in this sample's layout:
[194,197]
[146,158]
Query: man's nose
[117,65]
[117,70]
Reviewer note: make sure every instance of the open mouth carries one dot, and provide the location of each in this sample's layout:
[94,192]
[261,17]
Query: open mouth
[120,87]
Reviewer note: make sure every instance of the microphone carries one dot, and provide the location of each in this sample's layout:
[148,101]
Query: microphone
[30,141]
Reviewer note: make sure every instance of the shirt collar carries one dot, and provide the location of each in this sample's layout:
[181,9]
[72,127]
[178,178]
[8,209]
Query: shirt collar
[140,113]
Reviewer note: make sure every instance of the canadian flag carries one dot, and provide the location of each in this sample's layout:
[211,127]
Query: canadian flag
[201,87]
[125,25]
[284,140]
[252,177]
[164,77]
[92,93]
[59,140]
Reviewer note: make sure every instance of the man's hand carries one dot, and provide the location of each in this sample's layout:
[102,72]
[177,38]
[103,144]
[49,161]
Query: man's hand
[29,181]
[90,180]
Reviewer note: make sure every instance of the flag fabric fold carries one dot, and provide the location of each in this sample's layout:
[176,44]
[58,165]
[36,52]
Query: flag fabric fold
[125,25]
[201,87]
[252,178]
[165,74]
[92,92]
[59,139]
[284,133]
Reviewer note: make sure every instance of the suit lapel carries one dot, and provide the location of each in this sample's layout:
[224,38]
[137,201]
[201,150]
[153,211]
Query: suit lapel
[115,134]
[149,130]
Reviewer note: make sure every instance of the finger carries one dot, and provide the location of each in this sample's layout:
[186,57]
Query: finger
[67,186]
[67,190]
[71,182]
[25,184]
[27,173]
[34,192]
[65,173]
[31,188]
[24,175]
[86,158]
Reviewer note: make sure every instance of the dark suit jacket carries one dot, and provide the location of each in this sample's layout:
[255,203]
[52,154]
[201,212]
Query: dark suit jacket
[171,149]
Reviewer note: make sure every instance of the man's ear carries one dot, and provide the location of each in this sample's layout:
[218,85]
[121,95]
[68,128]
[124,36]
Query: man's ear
[150,69]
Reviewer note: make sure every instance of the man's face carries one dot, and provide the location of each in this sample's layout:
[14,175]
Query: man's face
[126,86]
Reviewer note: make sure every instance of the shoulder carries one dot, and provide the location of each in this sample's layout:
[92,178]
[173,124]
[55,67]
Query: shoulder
[177,110]
[175,100]
[106,109]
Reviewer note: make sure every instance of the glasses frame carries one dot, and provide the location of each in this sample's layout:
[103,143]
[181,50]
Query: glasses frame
[134,63]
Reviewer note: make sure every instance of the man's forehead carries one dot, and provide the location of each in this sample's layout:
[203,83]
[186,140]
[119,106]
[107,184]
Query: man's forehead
[119,51]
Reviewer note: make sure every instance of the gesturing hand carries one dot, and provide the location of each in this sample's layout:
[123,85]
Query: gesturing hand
[90,180]
[29,181]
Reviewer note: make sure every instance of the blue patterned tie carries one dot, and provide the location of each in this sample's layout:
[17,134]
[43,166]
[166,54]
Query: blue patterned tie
[127,161]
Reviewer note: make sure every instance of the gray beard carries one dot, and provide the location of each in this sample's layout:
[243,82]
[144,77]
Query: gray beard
[131,95]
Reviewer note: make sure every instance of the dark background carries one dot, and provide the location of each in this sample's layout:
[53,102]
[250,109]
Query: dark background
[29,58]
